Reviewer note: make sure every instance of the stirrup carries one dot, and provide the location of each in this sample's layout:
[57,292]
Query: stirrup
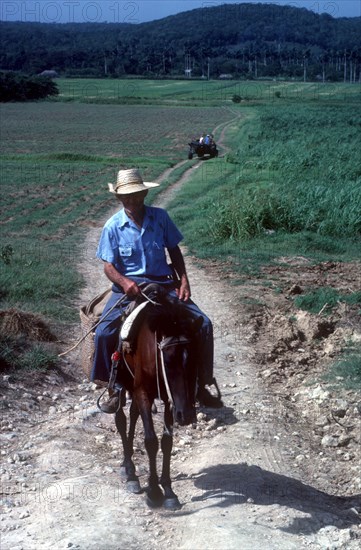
[206,399]
[214,383]
[119,401]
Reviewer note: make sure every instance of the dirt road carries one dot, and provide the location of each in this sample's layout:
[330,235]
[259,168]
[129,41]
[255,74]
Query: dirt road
[235,474]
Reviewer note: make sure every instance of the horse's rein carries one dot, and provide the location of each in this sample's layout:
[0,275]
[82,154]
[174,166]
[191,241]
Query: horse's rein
[166,343]
[117,303]
[149,299]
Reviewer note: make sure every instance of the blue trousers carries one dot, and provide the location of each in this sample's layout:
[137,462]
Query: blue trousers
[107,337]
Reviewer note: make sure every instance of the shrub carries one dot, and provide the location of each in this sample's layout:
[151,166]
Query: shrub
[19,87]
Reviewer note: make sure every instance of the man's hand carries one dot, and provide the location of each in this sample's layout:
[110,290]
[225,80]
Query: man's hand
[176,256]
[130,288]
[184,291]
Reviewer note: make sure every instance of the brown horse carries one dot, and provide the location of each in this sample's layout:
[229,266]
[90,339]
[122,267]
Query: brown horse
[161,365]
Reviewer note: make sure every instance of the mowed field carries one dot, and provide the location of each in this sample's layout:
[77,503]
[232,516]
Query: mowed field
[58,156]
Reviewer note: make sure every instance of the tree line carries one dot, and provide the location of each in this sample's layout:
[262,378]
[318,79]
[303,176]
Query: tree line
[240,40]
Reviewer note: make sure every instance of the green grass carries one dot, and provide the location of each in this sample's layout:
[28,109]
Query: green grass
[325,299]
[19,355]
[138,91]
[288,185]
[147,134]
[347,369]
[199,92]
[291,184]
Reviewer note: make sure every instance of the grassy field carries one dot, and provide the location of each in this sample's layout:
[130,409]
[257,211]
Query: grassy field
[290,183]
[198,92]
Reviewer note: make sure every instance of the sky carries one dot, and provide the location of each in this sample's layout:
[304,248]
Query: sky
[139,11]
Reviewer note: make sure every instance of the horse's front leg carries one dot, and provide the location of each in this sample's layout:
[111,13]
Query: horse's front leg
[155,496]
[170,498]
[127,468]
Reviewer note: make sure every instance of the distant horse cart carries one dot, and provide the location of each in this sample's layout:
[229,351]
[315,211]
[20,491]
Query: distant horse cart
[205,146]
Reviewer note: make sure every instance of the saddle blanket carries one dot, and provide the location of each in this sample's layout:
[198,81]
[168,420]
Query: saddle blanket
[126,330]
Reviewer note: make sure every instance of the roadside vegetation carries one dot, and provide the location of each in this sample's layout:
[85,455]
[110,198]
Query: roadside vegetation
[289,183]
[326,299]
[347,367]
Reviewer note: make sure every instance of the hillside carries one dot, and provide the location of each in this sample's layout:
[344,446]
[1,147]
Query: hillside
[244,40]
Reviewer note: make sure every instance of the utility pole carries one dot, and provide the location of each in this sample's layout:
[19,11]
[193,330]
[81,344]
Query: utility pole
[188,70]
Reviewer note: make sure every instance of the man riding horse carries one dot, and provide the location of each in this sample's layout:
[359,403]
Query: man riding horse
[133,247]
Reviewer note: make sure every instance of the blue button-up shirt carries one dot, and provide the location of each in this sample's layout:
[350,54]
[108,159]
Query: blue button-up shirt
[139,251]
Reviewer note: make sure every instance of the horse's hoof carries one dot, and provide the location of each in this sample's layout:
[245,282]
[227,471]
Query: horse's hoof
[172,504]
[133,487]
[157,503]
[155,499]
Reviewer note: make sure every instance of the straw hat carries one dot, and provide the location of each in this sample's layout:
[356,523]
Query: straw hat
[130,181]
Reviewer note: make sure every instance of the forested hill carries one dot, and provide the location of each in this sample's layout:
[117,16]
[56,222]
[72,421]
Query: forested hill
[253,40]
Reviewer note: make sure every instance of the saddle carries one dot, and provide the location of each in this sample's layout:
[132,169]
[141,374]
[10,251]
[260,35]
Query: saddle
[152,294]
[130,326]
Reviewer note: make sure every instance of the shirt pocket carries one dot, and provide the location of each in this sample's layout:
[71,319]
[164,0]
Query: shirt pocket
[156,250]
[125,251]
